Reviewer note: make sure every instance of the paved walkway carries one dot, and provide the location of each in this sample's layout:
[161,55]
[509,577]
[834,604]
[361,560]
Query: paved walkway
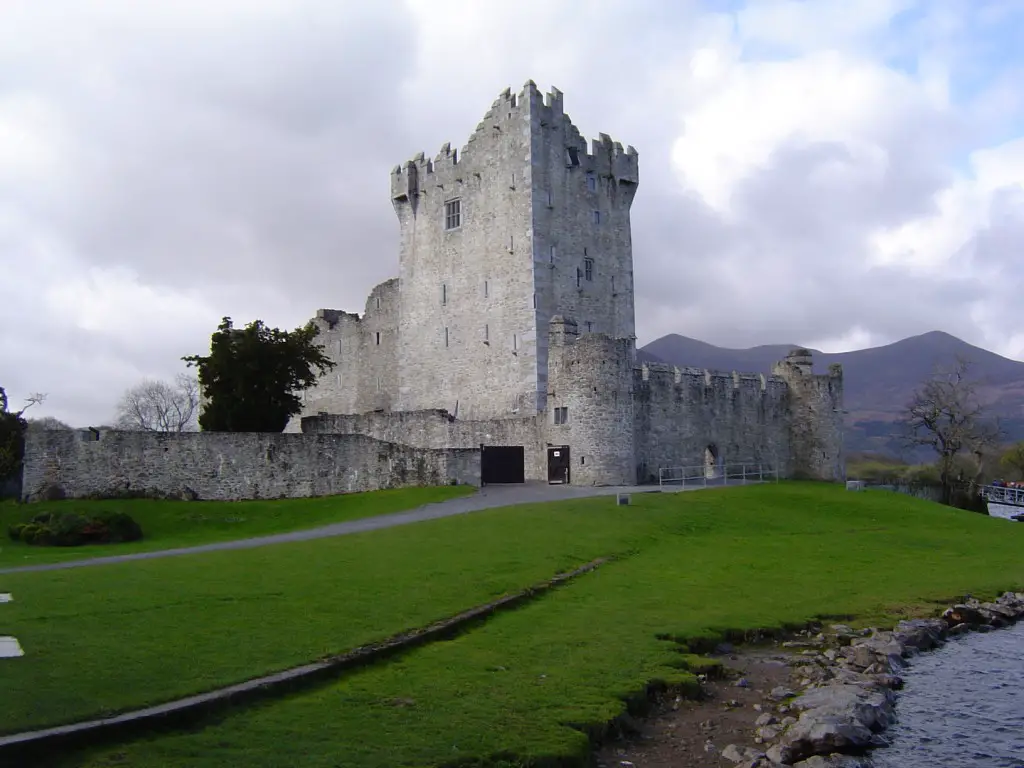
[488,497]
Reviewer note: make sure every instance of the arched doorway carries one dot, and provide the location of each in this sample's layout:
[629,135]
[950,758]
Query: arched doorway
[711,461]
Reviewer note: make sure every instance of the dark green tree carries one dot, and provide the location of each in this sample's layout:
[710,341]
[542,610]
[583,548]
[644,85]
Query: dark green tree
[252,378]
[12,435]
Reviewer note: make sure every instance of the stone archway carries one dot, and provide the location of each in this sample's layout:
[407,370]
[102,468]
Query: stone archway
[711,461]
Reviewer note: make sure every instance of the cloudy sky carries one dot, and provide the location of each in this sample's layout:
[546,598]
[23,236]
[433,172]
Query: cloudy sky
[834,173]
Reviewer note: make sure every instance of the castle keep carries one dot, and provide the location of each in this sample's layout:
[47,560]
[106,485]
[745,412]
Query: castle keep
[510,326]
[504,351]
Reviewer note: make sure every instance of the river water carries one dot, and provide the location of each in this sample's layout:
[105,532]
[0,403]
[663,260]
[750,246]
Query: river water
[962,705]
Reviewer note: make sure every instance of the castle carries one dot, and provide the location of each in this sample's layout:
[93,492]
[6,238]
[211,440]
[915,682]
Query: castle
[504,351]
[510,327]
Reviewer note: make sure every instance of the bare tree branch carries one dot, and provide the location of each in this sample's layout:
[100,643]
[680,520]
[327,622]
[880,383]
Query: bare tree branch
[158,406]
[946,415]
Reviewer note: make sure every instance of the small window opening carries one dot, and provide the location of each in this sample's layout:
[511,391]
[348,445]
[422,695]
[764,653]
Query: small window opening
[446,336]
[380,384]
[535,301]
[590,327]
[378,302]
[551,199]
[453,214]
[515,342]
[551,254]
[562,415]
[487,289]
[588,269]
[444,293]
[487,333]
[591,182]
[583,460]
[597,217]
[579,276]
[572,156]
[378,338]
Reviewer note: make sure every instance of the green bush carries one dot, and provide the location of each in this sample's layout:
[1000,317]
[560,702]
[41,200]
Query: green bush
[71,529]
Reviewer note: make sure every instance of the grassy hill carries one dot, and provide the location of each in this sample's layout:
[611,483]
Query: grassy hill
[878,381]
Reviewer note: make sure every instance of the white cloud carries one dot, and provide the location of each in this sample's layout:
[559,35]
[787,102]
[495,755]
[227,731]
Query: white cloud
[808,174]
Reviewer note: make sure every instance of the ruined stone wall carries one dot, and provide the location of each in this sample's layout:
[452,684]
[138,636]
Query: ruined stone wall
[365,351]
[228,466]
[437,429]
[816,426]
[582,245]
[681,412]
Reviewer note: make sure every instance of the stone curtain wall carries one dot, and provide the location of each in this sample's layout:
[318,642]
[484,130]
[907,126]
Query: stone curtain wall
[229,466]
[434,428]
[679,413]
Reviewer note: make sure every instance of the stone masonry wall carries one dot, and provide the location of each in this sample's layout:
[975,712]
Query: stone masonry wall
[437,428]
[365,350]
[816,423]
[592,384]
[680,413]
[229,466]
[467,333]
[582,244]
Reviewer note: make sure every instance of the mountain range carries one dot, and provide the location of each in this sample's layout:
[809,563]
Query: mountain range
[878,382]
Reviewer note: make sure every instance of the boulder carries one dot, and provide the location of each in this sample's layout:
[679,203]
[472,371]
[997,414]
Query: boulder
[738,754]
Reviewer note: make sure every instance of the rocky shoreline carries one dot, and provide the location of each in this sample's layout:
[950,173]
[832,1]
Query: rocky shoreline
[822,699]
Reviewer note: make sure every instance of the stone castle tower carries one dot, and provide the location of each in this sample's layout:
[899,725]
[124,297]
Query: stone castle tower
[526,222]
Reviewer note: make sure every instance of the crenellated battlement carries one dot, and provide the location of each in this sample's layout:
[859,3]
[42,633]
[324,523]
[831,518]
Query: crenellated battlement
[687,376]
[451,168]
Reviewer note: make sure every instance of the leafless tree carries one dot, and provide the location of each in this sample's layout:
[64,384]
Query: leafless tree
[946,415]
[49,423]
[159,406]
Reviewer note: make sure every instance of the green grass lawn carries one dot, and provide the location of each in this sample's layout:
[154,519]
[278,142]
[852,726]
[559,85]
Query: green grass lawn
[525,684]
[171,524]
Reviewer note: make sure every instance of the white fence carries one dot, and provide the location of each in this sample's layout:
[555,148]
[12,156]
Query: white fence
[732,473]
[998,494]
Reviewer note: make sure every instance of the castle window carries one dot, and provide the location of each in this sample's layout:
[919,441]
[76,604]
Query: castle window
[562,415]
[551,254]
[453,214]
[588,269]
[590,326]
[551,200]
[579,276]
[515,342]
[487,333]
[378,302]
[380,384]
[378,338]
[446,335]
[572,156]
[591,183]
[597,217]
[535,301]
[444,293]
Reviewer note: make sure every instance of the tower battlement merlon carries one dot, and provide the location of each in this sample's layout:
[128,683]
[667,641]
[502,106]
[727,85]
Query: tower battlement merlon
[601,155]
[453,166]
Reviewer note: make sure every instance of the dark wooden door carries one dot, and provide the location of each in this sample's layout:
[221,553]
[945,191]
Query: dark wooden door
[558,464]
[503,464]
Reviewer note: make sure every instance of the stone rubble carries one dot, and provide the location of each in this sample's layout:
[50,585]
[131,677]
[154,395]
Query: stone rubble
[846,680]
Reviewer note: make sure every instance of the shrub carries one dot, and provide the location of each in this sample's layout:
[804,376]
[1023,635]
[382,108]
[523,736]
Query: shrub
[71,529]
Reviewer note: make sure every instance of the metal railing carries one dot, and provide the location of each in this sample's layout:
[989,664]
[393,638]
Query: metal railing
[999,494]
[706,476]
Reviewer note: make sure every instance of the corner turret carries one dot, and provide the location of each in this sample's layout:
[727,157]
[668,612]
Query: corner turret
[816,417]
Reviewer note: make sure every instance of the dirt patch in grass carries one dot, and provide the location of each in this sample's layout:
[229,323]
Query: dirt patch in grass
[681,731]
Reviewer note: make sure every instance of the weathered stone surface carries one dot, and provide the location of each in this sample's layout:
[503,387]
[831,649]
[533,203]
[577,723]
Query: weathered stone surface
[226,466]
[834,761]
[738,754]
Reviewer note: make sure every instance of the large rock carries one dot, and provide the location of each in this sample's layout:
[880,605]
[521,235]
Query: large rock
[840,717]
[922,634]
